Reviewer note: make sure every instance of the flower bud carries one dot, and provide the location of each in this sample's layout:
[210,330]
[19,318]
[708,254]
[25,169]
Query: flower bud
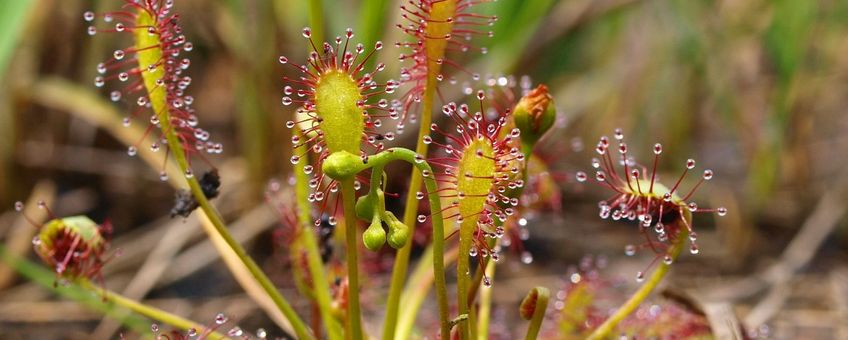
[398,232]
[398,237]
[374,237]
[365,207]
[534,115]
[369,205]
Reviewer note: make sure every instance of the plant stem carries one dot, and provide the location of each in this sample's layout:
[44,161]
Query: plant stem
[485,311]
[354,318]
[603,331]
[410,213]
[417,290]
[463,280]
[372,20]
[437,221]
[316,19]
[542,297]
[313,255]
[148,311]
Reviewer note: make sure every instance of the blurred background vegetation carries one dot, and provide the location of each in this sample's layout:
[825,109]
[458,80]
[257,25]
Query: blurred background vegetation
[755,90]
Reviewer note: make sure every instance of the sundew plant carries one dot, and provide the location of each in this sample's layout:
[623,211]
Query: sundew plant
[413,173]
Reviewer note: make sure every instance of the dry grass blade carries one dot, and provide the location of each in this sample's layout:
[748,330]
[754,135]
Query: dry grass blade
[18,238]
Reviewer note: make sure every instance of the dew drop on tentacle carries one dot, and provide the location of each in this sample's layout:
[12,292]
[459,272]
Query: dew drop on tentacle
[220,319]
[526,257]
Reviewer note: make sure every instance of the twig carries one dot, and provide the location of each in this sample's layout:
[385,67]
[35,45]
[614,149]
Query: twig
[828,212]
[839,285]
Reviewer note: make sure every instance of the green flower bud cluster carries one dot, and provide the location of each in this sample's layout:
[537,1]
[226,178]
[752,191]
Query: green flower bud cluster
[372,207]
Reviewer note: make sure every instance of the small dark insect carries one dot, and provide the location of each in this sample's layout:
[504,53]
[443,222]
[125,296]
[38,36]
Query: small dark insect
[184,202]
[325,235]
[210,183]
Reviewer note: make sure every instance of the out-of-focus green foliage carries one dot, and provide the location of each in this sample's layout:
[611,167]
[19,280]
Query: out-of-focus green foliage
[12,16]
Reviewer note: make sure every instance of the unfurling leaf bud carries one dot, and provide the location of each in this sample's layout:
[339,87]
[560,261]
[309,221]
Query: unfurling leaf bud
[374,237]
[73,246]
[537,298]
[534,115]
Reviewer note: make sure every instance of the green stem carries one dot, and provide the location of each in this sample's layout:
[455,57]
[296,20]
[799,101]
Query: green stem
[542,297]
[603,331]
[148,311]
[410,213]
[485,311]
[354,318]
[417,290]
[316,19]
[313,255]
[372,19]
[463,280]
